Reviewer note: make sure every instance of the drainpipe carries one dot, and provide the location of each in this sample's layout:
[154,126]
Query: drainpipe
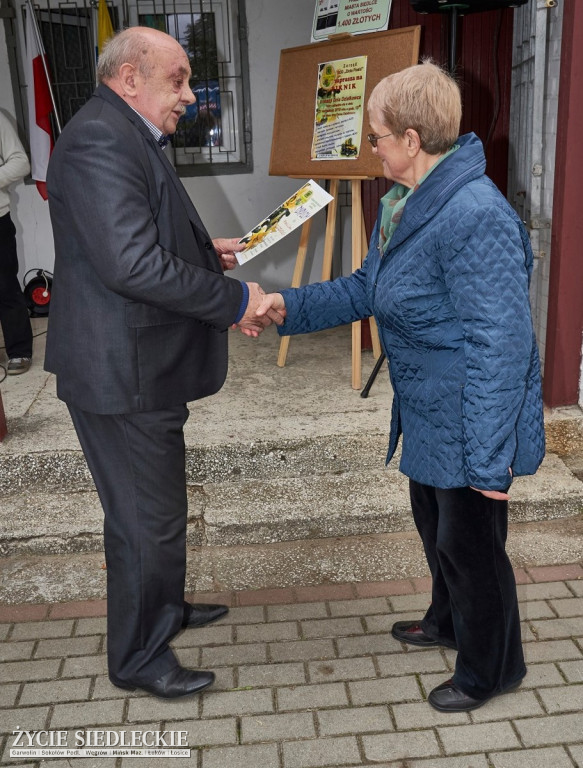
[536,220]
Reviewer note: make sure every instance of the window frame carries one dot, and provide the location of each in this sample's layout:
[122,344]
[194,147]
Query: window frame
[240,159]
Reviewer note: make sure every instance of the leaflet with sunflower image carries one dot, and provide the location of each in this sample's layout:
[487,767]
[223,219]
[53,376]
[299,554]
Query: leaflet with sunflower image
[295,211]
[339,109]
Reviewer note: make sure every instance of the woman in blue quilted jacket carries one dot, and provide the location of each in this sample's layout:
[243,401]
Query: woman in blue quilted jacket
[446,278]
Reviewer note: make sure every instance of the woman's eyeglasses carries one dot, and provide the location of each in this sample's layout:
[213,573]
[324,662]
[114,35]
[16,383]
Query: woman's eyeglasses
[373,138]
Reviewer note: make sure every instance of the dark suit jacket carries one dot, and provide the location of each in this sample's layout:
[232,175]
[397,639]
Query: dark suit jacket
[140,307]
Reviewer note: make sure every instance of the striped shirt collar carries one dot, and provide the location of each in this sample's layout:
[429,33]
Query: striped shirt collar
[156,132]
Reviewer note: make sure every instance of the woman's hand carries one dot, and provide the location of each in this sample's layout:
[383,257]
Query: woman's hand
[496,495]
[273,306]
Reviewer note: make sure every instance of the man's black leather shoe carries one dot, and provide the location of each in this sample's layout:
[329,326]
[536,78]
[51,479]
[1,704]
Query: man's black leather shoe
[176,684]
[411,632]
[447,697]
[203,613]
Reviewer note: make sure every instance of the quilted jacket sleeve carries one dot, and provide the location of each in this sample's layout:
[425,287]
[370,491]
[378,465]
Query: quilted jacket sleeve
[484,265]
[326,305]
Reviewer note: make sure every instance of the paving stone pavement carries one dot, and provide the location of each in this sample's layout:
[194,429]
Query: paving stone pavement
[307,677]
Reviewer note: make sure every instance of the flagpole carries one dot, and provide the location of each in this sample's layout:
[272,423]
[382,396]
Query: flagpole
[94,5]
[41,48]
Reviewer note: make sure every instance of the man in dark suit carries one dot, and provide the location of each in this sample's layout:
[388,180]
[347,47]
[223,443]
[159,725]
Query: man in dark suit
[140,310]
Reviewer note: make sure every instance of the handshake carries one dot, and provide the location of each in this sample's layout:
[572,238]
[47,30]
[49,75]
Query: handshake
[262,310]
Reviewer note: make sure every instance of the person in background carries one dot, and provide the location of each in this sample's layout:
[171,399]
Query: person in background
[447,279]
[140,310]
[14,317]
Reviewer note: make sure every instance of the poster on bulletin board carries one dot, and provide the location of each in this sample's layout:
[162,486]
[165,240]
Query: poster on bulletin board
[339,109]
[349,16]
[320,107]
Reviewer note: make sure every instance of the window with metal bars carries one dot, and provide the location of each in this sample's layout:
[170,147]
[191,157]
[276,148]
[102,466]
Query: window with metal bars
[214,137]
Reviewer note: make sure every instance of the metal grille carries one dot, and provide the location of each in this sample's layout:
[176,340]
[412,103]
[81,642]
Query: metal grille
[532,139]
[214,137]
[215,134]
[67,37]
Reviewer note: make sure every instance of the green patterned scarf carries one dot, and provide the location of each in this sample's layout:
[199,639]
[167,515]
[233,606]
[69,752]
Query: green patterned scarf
[394,203]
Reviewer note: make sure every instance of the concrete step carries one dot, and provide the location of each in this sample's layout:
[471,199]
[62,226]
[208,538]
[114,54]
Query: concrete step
[248,511]
[66,470]
[286,482]
[375,557]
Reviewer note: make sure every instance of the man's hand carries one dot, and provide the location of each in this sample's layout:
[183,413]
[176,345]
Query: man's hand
[226,248]
[252,323]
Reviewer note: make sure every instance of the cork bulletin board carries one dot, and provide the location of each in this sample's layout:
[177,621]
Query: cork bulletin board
[293,126]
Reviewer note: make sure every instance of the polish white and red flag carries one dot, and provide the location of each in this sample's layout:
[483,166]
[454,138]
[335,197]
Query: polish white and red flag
[40,105]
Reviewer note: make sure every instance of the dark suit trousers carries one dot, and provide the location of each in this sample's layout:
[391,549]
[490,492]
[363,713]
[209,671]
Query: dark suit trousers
[474,603]
[137,461]
[14,316]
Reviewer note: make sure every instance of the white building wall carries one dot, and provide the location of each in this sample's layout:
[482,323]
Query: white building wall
[229,205]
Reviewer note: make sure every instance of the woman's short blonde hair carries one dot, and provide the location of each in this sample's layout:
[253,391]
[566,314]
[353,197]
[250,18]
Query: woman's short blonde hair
[423,97]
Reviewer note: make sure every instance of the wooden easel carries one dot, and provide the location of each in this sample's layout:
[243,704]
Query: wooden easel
[359,248]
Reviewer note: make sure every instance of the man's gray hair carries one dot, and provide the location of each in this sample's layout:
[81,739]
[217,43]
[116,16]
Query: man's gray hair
[127,47]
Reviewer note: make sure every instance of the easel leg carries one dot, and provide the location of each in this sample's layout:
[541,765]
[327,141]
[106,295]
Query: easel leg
[376,342]
[374,331]
[330,231]
[283,347]
[296,282]
[374,374]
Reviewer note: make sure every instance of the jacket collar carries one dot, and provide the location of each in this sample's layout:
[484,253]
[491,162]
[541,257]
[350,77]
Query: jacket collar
[468,163]
[104,92]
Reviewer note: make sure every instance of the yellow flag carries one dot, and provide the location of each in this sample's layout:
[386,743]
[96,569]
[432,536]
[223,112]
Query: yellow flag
[104,26]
